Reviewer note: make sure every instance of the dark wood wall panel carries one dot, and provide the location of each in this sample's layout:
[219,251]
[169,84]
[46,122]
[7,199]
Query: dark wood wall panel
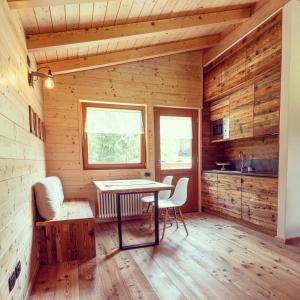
[259,148]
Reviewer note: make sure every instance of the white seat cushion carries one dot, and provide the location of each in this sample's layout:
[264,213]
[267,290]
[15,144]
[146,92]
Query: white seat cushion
[148,199]
[49,197]
[166,204]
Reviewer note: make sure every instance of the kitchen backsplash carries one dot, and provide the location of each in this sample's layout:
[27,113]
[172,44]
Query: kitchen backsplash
[259,165]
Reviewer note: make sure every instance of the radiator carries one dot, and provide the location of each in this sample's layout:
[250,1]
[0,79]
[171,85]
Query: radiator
[131,205]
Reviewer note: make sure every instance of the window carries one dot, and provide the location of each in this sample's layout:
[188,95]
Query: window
[175,142]
[113,136]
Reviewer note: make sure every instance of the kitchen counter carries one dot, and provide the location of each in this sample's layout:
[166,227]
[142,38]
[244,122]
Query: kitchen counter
[231,172]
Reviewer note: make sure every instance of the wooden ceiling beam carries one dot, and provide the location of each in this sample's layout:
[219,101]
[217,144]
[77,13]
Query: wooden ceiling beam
[131,55]
[96,36]
[20,4]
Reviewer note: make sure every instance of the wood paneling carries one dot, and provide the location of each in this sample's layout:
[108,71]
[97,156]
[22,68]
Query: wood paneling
[119,33]
[69,236]
[126,56]
[39,18]
[219,260]
[259,201]
[241,113]
[267,104]
[248,198]
[209,190]
[230,195]
[258,148]
[22,160]
[169,81]
[270,7]
[246,62]
[211,152]
[220,109]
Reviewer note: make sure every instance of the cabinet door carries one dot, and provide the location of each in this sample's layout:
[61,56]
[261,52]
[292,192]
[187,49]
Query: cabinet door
[219,109]
[229,194]
[213,83]
[266,105]
[259,201]
[209,190]
[241,113]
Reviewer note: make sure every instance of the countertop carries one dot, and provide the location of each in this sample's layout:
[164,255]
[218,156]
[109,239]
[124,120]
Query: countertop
[257,174]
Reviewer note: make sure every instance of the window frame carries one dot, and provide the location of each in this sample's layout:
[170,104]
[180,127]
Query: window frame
[86,165]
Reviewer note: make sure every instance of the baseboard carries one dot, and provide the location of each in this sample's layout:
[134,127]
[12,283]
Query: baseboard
[240,222]
[293,241]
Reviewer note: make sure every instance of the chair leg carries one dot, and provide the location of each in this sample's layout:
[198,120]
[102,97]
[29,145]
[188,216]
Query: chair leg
[165,221]
[145,212]
[182,219]
[175,215]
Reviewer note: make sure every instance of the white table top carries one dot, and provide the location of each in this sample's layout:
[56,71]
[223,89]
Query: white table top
[134,185]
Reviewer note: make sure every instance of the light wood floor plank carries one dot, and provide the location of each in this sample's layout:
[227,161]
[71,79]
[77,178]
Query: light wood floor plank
[218,260]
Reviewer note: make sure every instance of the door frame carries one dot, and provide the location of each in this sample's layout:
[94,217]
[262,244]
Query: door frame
[197,149]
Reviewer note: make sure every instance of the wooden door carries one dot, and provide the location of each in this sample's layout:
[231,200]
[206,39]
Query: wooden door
[176,149]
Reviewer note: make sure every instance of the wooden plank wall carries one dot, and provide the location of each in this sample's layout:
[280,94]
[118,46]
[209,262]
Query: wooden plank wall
[22,160]
[174,80]
[259,148]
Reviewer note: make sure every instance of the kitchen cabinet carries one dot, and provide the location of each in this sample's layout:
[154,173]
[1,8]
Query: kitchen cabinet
[241,113]
[267,104]
[259,201]
[252,199]
[209,188]
[229,194]
[219,109]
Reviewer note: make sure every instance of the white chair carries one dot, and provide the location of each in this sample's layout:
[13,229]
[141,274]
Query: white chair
[161,195]
[175,202]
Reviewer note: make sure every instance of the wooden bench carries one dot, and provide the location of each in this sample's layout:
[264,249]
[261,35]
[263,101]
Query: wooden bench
[69,236]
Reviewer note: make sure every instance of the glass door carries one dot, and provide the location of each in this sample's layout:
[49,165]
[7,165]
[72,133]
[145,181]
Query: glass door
[176,150]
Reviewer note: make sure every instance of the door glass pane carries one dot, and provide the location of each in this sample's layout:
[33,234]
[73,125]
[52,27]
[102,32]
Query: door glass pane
[175,142]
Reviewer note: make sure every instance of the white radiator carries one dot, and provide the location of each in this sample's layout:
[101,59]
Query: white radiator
[131,205]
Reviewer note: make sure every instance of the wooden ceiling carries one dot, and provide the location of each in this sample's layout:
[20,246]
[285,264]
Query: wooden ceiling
[71,30]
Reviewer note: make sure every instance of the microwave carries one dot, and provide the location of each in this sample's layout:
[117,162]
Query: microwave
[220,129]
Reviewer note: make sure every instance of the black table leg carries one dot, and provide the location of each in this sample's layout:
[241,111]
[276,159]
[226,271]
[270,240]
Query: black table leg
[119,221]
[156,224]
[156,221]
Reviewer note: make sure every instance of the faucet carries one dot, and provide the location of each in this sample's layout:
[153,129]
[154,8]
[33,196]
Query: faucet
[242,156]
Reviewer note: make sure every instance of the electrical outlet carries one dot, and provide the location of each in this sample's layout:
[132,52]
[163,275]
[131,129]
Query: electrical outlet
[18,269]
[12,281]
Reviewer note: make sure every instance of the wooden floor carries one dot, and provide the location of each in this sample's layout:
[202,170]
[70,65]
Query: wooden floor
[218,260]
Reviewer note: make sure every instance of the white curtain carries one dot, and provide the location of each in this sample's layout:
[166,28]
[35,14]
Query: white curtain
[113,121]
[175,127]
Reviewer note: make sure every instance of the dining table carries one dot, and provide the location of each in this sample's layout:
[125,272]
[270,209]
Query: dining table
[128,187]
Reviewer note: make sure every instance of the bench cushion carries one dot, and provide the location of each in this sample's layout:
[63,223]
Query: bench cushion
[49,197]
[72,211]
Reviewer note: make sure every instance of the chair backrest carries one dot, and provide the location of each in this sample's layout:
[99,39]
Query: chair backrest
[180,194]
[166,194]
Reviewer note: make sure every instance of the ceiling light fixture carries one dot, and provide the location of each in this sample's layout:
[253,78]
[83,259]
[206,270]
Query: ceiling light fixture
[33,76]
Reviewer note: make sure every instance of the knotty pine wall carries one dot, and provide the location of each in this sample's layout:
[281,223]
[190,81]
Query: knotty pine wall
[22,160]
[174,80]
